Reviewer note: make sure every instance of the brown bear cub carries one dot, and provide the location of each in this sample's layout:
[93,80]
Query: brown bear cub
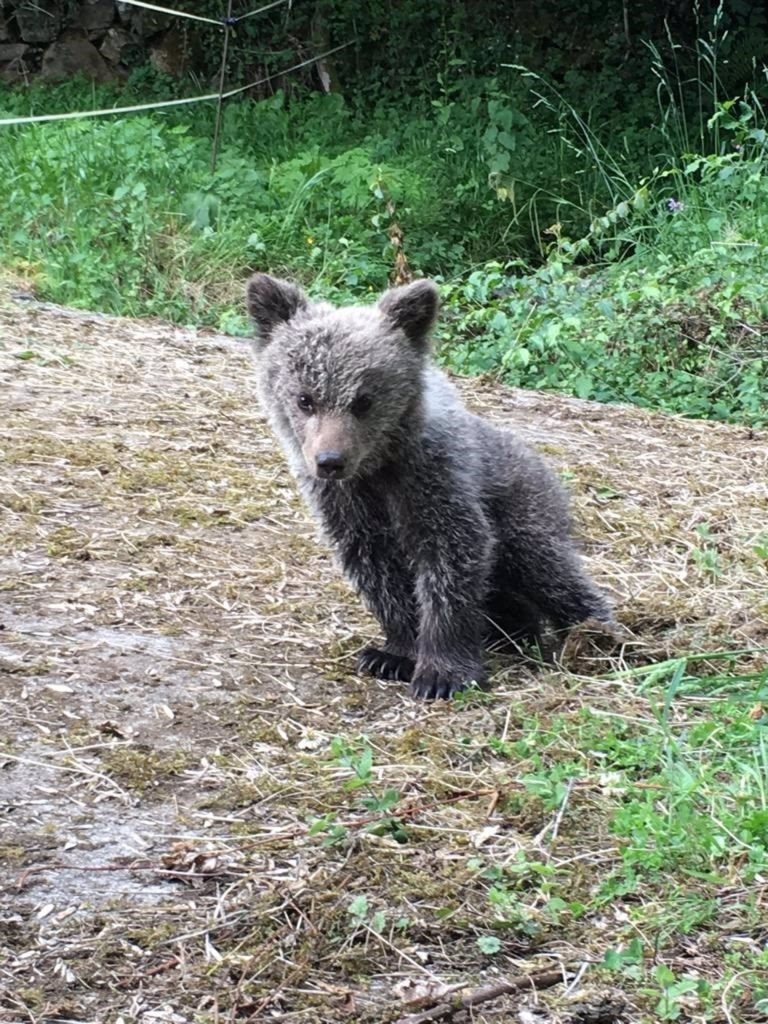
[450,528]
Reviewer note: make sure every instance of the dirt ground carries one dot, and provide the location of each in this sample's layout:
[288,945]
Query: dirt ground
[176,660]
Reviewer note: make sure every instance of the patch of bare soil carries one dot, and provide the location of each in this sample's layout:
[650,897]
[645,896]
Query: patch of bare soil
[176,659]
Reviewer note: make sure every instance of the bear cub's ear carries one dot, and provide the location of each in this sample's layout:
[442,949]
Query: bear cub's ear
[272,301]
[413,308]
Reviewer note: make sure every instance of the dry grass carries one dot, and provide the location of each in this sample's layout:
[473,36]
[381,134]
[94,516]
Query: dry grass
[175,660]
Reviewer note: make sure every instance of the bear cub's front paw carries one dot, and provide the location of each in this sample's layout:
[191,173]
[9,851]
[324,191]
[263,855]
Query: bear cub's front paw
[384,665]
[432,683]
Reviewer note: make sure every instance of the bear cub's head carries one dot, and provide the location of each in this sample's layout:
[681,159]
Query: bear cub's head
[342,386]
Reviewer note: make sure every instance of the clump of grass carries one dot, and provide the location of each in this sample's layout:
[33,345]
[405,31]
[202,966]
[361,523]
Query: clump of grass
[140,770]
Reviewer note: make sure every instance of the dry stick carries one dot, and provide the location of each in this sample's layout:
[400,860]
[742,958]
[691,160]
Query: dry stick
[74,770]
[222,75]
[58,865]
[555,825]
[542,979]
[139,976]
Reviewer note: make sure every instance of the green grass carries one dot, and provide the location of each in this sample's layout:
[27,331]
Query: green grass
[663,300]
[564,265]
[306,188]
[653,846]
[649,330]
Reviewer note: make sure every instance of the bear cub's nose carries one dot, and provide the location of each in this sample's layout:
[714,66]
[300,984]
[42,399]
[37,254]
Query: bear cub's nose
[330,465]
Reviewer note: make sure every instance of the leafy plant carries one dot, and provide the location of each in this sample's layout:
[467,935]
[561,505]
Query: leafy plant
[377,803]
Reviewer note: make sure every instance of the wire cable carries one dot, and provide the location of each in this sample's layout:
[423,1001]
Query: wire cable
[74,115]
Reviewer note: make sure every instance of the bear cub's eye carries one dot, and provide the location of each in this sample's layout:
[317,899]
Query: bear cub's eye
[361,405]
[306,402]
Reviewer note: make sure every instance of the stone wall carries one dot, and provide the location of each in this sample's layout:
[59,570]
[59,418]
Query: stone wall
[103,40]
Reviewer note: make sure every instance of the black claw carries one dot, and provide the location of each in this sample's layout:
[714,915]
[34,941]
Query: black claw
[432,684]
[383,665]
[440,684]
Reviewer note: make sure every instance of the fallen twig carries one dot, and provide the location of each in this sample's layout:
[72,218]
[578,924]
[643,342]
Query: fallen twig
[505,987]
[139,976]
[153,866]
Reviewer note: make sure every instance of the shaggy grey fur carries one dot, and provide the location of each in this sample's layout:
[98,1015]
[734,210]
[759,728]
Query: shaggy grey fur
[443,522]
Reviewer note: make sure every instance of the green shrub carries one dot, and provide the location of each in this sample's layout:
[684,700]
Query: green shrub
[618,256]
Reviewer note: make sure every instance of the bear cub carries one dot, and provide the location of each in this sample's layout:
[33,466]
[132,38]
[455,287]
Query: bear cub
[452,530]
